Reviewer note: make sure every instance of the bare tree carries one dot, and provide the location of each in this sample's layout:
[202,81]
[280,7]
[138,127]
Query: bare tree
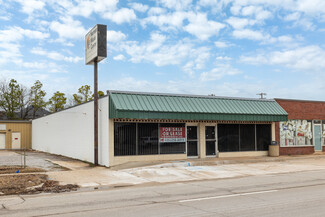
[24,102]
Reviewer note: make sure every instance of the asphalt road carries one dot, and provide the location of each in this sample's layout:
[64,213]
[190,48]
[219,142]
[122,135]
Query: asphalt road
[293,194]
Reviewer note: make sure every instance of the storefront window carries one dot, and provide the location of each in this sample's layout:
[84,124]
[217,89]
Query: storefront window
[149,139]
[124,139]
[247,137]
[296,133]
[263,136]
[228,137]
[242,137]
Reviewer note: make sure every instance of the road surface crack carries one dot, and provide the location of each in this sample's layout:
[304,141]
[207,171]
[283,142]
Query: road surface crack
[21,198]
[196,208]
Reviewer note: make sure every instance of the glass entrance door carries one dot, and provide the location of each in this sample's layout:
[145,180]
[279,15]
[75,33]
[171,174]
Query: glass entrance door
[192,142]
[210,140]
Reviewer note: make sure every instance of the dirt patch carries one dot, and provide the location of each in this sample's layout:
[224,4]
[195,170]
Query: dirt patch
[17,169]
[31,184]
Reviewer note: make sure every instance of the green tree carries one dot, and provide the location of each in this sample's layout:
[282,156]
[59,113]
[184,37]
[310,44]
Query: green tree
[84,95]
[10,94]
[37,97]
[100,94]
[57,101]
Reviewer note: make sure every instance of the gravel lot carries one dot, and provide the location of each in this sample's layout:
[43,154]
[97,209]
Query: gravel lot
[33,159]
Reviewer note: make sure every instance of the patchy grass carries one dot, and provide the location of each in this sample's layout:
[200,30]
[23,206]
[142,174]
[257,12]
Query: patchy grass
[31,184]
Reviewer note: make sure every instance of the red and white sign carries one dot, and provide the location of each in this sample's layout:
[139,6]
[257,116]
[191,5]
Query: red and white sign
[172,134]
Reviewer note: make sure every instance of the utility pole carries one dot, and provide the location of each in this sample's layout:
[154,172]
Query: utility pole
[262,95]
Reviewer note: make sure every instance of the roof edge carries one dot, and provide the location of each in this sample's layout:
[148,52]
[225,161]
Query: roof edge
[15,121]
[185,95]
[299,100]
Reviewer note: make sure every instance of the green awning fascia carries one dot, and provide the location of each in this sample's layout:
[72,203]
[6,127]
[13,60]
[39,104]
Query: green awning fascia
[133,114]
[197,116]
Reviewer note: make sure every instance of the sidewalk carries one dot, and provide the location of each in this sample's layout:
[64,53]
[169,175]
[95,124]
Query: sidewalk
[176,171]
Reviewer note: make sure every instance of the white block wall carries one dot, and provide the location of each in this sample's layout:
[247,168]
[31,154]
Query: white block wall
[71,132]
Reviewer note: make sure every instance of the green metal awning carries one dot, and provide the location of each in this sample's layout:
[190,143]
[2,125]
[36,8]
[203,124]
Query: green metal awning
[134,105]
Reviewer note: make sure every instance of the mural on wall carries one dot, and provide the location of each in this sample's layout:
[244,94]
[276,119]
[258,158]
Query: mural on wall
[296,133]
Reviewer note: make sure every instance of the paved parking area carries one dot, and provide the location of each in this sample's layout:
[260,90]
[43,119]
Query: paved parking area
[33,159]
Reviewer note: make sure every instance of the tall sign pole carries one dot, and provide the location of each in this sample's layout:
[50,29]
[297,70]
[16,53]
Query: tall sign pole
[96,50]
[95,112]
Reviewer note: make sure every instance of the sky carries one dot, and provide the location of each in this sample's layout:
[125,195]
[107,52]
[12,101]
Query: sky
[235,48]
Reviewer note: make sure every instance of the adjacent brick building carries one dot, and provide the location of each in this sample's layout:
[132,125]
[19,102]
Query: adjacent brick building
[304,132]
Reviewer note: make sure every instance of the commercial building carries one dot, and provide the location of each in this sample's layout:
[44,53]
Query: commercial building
[15,134]
[304,132]
[151,126]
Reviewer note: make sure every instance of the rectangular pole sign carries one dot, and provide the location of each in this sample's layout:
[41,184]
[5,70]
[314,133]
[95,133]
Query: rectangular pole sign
[172,134]
[96,44]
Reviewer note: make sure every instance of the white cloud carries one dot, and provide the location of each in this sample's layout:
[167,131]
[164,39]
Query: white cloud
[162,52]
[235,9]
[30,6]
[176,5]
[119,57]
[222,44]
[292,16]
[198,24]
[68,28]
[257,11]
[226,58]
[260,36]
[250,34]
[299,20]
[86,8]
[32,65]
[309,8]
[55,55]
[156,11]
[201,27]
[139,7]
[115,36]
[4,14]
[171,86]
[197,62]
[166,21]
[220,71]
[16,33]
[124,15]
[239,23]
[155,52]
[5,17]
[9,52]
[309,58]
[215,5]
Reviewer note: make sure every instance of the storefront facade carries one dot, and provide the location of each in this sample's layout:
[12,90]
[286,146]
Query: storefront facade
[149,127]
[304,132]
